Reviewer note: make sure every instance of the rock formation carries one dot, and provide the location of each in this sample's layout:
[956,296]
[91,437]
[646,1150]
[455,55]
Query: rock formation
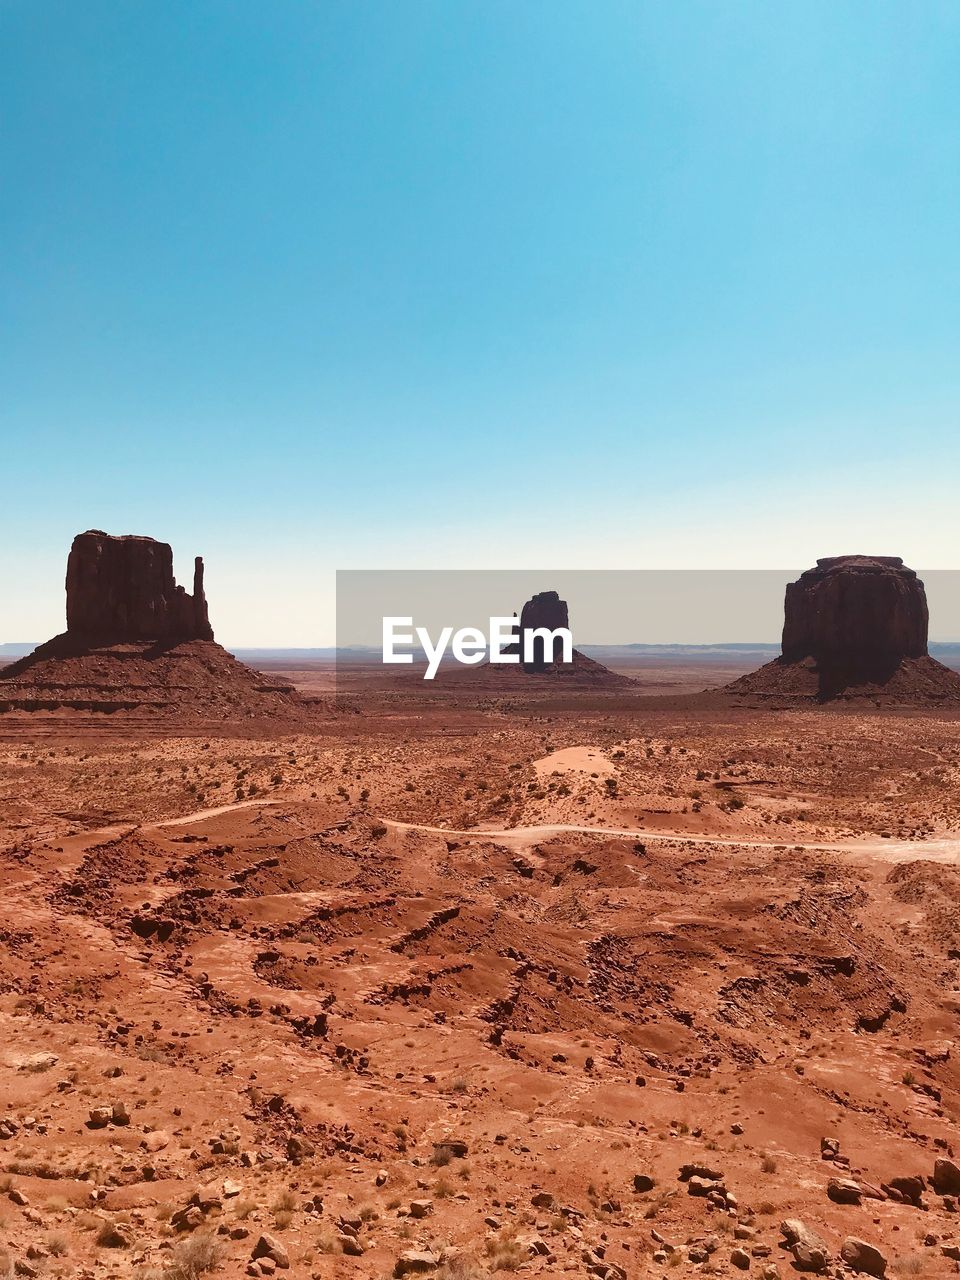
[854,624]
[123,589]
[546,610]
[858,614]
[137,643]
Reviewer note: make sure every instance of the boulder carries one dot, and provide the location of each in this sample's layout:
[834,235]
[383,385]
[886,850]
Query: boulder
[809,1249]
[455,1148]
[844,1191]
[114,1236]
[688,1171]
[697,1186]
[415,1262]
[907,1189]
[268,1246]
[946,1178]
[187,1219]
[863,1257]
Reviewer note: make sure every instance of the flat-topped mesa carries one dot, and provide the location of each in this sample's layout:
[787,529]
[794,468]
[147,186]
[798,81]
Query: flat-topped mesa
[859,615]
[547,610]
[854,627]
[122,589]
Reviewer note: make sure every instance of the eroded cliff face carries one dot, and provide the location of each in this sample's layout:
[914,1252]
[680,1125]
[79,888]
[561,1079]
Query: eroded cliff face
[123,589]
[856,612]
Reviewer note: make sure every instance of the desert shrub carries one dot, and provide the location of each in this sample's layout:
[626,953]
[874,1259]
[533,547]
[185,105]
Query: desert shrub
[914,1264]
[285,1202]
[465,1268]
[109,1236]
[504,1252]
[194,1256]
[58,1244]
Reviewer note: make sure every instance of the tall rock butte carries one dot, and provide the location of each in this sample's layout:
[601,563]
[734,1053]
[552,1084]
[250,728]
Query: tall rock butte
[123,589]
[138,644]
[545,609]
[854,624]
[858,613]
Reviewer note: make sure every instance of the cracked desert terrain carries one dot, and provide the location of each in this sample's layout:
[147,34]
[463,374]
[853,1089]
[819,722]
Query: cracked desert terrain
[587,983]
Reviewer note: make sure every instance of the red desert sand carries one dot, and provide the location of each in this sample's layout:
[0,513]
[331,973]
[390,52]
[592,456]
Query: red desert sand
[555,980]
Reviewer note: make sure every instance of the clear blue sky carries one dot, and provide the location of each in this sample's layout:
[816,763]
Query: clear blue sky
[432,283]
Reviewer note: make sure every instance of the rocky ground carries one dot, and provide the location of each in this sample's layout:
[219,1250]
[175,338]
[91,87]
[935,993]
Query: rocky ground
[595,988]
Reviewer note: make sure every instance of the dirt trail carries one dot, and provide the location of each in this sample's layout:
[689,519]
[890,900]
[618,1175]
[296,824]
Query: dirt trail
[946,849]
[200,814]
[942,849]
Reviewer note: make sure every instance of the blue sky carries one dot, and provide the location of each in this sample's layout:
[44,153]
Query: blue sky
[431,283]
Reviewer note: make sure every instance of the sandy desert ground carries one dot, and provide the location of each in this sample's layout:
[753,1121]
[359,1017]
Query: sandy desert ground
[454,984]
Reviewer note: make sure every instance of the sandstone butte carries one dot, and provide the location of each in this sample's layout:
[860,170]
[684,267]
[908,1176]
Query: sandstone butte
[139,644]
[854,626]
